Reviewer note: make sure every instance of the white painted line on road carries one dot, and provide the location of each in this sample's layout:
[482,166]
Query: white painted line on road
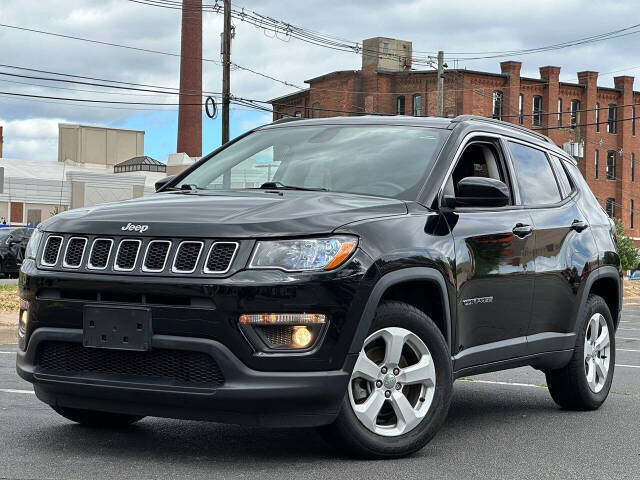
[623,328]
[11,390]
[627,366]
[8,353]
[626,350]
[502,383]
[627,338]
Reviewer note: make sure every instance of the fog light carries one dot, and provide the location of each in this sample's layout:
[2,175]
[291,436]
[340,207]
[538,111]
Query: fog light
[23,322]
[301,337]
[269,332]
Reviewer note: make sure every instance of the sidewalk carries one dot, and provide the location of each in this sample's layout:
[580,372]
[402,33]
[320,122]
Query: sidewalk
[8,319]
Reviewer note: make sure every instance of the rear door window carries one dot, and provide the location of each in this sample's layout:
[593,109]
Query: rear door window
[536,180]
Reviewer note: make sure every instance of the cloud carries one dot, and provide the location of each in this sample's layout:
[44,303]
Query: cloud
[460,26]
[31,139]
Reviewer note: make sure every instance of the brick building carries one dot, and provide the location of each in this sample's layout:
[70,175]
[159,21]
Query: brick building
[596,124]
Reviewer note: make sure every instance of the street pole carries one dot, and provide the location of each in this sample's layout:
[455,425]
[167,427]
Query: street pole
[226,82]
[441,83]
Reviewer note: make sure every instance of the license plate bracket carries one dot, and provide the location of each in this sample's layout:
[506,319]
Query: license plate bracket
[118,328]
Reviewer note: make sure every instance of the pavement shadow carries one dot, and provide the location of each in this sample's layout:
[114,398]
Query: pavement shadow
[472,409]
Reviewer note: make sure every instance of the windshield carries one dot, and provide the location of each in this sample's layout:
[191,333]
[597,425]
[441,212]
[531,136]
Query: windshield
[374,160]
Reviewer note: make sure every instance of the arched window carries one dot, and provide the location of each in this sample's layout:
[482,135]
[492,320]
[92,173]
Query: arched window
[611,165]
[612,121]
[610,206]
[537,111]
[597,117]
[559,112]
[417,105]
[498,101]
[575,112]
[400,105]
[520,109]
[298,114]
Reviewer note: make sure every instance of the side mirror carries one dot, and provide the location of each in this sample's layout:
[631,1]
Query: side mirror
[163,181]
[479,192]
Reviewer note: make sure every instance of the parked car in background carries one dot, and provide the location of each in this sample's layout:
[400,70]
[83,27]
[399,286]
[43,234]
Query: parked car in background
[13,243]
[635,275]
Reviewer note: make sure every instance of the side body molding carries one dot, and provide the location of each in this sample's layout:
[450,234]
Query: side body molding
[394,278]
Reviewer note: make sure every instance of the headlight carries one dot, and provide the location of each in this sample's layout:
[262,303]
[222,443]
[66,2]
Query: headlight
[304,254]
[32,247]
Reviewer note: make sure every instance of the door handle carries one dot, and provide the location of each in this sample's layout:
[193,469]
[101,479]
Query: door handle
[579,225]
[521,230]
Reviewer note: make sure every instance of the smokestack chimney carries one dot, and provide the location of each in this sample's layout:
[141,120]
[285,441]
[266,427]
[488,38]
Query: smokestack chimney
[190,116]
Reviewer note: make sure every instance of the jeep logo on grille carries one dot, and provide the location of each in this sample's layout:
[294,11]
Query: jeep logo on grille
[135,228]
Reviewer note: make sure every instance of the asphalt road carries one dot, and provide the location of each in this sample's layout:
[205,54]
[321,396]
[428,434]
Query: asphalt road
[501,425]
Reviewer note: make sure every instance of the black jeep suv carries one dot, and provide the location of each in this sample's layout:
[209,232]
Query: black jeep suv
[336,272]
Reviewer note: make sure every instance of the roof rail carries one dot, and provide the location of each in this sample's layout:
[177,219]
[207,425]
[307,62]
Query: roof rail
[477,118]
[286,119]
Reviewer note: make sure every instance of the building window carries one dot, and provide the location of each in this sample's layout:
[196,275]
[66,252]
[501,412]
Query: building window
[633,167]
[597,117]
[400,106]
[417,105]
[520,109]
[559,112]
[611,165]
[595,175]
[610,207]
[633,121]
[631,214]
[575,112]
[498,99]
[612,120]
[298,114]
[385,49]
[315,110]
[537,111]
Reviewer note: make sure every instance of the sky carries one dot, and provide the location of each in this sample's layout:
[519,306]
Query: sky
[31,125]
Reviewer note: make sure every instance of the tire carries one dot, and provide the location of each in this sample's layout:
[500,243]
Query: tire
[572,387]
[94,418]
[378,438]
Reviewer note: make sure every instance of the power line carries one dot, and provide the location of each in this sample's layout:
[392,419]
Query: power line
[145,50]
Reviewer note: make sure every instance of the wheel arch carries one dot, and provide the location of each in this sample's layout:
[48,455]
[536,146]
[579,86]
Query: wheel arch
[604,282]
[401,285]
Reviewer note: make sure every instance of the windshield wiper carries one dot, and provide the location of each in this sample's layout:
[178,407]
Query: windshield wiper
[282,186]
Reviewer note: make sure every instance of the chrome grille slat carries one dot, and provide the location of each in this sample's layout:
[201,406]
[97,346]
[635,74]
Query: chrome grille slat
[100,254]
[51,251]
[221,256]
[156,255]
[187,256]
[74,253]
[127,255]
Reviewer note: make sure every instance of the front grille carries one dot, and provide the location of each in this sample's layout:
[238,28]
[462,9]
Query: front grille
[127,254]
[156,256]
[52,250]
[100,253]
[220,257]
[74,252]
[158,366]
[140,256]
[187,257]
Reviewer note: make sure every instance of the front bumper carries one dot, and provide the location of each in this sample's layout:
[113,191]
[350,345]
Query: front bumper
[201,315]
[275,399]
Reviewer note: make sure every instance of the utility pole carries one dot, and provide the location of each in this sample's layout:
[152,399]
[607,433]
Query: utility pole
[441,83]
[226,70]
[226,82]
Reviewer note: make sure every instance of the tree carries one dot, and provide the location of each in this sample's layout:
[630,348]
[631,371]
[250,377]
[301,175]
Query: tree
[628,253]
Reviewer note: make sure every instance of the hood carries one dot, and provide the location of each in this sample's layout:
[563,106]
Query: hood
[226,215]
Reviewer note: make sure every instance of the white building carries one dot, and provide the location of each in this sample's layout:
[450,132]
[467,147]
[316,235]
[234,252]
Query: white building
[34,190]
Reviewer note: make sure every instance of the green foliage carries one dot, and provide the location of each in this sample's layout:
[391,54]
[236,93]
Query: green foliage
[628,253]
